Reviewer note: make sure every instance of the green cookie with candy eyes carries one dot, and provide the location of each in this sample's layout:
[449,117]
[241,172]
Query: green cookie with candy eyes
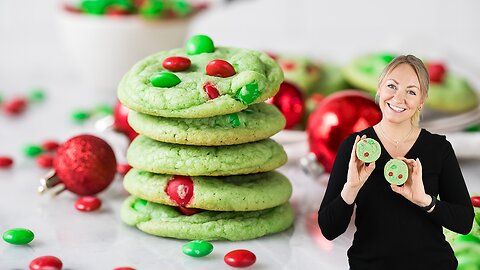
[396,172]
[187,91]
[165,158]
[168,221]
[258,122]
[300,71]
[453,95]
[368,150]
[228,193]
[363,72]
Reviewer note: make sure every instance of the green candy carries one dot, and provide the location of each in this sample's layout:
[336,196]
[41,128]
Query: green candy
[165,79]
[181,8]
[32,150]
[200,44]
[152,9]
[36,95]
[197,248]
[104,109]
[139,204]
[18,236]
[80,116]
[95,7]
[474,128]
[234,120]
[248,94]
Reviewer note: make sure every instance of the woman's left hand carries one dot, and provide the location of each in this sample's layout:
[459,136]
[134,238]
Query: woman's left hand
[413,189]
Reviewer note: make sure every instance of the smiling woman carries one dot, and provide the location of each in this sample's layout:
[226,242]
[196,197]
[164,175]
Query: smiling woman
[409,215]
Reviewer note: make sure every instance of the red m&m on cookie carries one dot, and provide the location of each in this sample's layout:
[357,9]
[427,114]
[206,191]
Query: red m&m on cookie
[220,68]
[176,63]
[180,189]
[211,90]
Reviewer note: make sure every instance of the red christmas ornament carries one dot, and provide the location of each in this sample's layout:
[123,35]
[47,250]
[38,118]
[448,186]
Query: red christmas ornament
[336,117]
[120,113]
[290,102]
[85,165]
[475,201]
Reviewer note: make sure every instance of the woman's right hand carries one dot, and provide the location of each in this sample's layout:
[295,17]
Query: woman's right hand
[358,173]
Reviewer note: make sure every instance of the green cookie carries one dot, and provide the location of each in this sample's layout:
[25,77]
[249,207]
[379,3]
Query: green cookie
[300,71]
[229,193]
[165,158]
[363,72]
[258,122]
[191,93]
[453,95]
[167,221]
[368,150]
[396,172]
[332,80]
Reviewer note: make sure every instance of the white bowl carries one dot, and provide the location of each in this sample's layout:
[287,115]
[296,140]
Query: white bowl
[103,48]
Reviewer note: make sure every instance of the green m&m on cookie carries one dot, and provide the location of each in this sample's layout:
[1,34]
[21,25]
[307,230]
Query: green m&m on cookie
[368,150]
[396,172]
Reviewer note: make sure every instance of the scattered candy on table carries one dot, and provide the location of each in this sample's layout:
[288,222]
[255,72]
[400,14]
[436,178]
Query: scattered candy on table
[124,268]
[5,162]
[45,161]
[18,236]
[197,248]
[82,115]
[36,95]
[240,258]
[46,263]
[88,203]
[15,106]
[50,145]
[32,150]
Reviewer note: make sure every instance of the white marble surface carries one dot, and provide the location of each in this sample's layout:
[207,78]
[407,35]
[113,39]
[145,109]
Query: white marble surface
[31,56]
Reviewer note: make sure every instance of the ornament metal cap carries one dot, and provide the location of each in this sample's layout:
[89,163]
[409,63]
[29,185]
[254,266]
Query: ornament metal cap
[310,165]
[51,182]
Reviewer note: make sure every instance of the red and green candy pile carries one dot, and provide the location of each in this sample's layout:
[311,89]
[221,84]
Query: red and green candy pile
[18,104]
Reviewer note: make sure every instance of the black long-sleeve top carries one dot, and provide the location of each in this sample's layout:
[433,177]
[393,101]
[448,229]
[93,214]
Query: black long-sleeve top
[392,232]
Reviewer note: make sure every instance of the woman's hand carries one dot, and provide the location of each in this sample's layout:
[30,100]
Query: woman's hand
[413,189]
[358,173]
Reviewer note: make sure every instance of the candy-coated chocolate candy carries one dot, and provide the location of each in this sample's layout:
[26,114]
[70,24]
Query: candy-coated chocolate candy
[220,68]
[189,211]
[366,154]
[44,161]
[18,236]
[181,8]
[124,268]
[475,201]
[436,71]
[390,173]
[50,145]
[165,79]
[140,204]
[104,109]
[288,66]
[36,95]
[176,63]
[200,44]
[152,9]
[88,203]
[400,176]
[240,258]
[211,90]
[116,10]
[180,189]
[234,120]
[46,263]
[123,168]
[32,150]
[248,94]
[15,106]
[95,7]
[197,248]
[5,162]
[80,116]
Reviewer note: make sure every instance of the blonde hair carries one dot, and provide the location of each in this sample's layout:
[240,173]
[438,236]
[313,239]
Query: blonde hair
[422,75]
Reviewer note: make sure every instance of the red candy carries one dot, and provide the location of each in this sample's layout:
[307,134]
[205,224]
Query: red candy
[211,90]
[400,176]
[390,174]
[436,70]
[124,268]
[123,168]
[45,161]
[5,162]
[476,201]
[50,145]
[116,11]
[88,203]
[46,263]
[189,211]
[176,63]
[180,189]
[240,258]
[220,68]
[366,154]
[15,106]
[288,66]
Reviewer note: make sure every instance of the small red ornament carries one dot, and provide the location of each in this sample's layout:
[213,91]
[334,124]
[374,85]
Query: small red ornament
[176,63]
[336,117]
[475,201]
[211,90]
[85,164]
[88,203]
[46,263]
[240,258]
[15,106]
[220,68]
[120,114]
[180,189]
[436,71]
[290,102]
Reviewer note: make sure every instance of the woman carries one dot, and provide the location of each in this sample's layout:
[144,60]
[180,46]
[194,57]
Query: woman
[398,227]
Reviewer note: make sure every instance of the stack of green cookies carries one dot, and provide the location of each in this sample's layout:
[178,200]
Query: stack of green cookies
[203,164]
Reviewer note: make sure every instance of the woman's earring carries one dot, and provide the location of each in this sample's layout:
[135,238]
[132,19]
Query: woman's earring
[419,108]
